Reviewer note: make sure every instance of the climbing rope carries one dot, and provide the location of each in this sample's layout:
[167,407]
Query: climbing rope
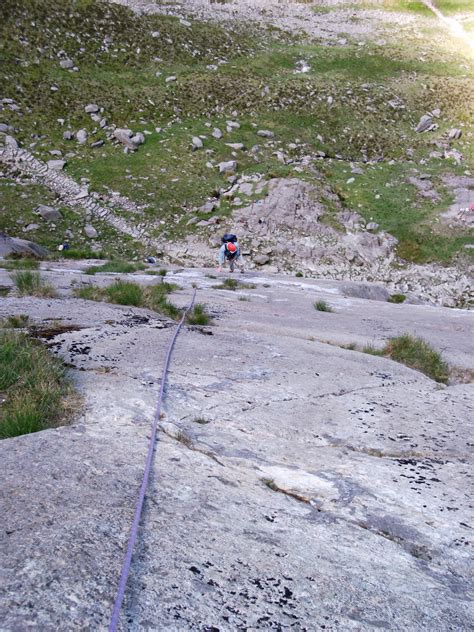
[146,474]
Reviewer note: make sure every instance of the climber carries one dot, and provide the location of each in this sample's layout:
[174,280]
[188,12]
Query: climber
[230,251]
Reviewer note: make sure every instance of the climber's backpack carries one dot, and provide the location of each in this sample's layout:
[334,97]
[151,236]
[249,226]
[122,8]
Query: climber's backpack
[229,237]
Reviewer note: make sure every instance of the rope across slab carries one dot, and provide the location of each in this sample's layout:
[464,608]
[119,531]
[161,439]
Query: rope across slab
[146,474]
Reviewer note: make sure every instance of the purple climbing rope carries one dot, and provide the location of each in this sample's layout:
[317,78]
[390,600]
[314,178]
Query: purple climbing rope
[146,474]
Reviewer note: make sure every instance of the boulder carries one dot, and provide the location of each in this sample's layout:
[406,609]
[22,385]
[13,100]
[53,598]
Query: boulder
[56,165]
[261,260]
[138,138]
[425,124]
[90,231]
[227,167]
[197,143]
[92,108]
[265,133]
[81,136]
[124,136]
[216,132]
[48,213]
[68,135]
[66,64]
[20,247]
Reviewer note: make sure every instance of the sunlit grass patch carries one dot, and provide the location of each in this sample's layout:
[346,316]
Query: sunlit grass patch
[34,384]
[31,283]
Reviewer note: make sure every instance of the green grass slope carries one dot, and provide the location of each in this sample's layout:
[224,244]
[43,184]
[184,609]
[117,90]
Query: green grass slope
[343,107]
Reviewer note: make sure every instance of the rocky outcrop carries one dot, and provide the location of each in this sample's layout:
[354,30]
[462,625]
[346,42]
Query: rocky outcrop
[12,246]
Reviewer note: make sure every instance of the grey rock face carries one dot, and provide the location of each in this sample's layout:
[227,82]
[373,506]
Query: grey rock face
[21,247]
[49,213]
[317,490]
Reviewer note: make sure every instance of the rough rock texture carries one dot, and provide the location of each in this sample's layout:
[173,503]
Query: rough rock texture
[21,247]
[321,489]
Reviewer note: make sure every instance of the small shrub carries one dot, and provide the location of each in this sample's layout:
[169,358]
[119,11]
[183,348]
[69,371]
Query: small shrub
[397,298]
[322,306]
[244,298]
[198,316]
[417,354]
[373,350]
[125,293]
[34,384]
[201,420]
[116,266]
[227,284]
[299,274]
[351,346]
[270,483]
[4,291]
[162,272]
[89,292]
[30,283]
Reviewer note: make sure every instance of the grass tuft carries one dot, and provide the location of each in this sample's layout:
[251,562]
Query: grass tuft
[34,385]
[20,264]
[198,315]
[125,293]
[15,321]
[322,306]
[30,283]
[397,298]
[417,354]
[116,266]
[201,420]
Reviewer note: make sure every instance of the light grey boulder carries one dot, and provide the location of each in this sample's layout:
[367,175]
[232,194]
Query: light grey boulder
[82,136]
[265,133]
[97,143]
[208,207]
[170,79]
[372,226]
[20,247]
[368,291]
[425,124]
[56,165]
[454,133]
[68,135]
[5,128]
[92,108]
[48,213]
[236,146]
[138,138]
[66,64]
[30,228]
[216,132]
[10,141]
[227,167]
[197,143]
[124,136]
[261,260]
[90,231]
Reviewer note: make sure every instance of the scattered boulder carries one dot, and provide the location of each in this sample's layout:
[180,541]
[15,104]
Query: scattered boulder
[10,141]
[170,79]
[426,124]
[82,136]
[68,135]
[261,260]
[227,167]
[92,108]
[372,226]
[236,146]
[20,247]
[66,64]
[48,213]
[5,128]
[138,138]
[56,165]
[454,133]
[217,133]
[265,133]
[197,143]
[90,231]
[30,228]
[97,143]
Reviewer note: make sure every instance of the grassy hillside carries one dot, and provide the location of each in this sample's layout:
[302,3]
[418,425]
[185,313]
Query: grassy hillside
[357,104]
